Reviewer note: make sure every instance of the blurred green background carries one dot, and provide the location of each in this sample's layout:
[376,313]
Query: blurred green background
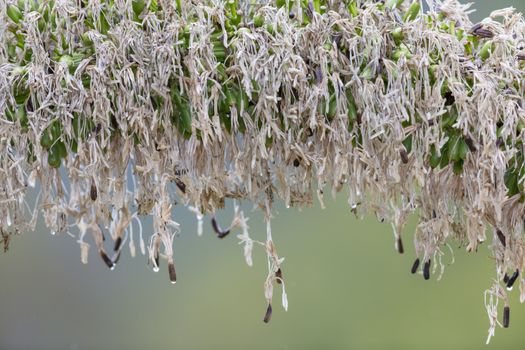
[347,288]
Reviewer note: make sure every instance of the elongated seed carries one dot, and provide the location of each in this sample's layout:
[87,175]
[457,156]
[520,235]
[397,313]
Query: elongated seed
[501,238]
[93,192]
[506,278]
[268,314]
[181,185]
[506,317]
[404,155]
[513,279]
[220,233]
[399,245]
[426,270]
[118,242]
[415,266]
[171,272]
[109,263]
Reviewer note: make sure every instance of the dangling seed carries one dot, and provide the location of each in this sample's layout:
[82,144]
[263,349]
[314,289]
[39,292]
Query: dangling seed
[506,278]
[171,272]
[501,237]
[181,185]
[118,242]
[109,263]
[426,270]
[506,317]
[512,279]
[93,191]
[268,314]
[116,259]
[399,245]
[220,233]
[415,266]
[296,162]
[279,276]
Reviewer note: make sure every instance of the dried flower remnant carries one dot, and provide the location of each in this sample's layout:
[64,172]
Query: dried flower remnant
[405,111]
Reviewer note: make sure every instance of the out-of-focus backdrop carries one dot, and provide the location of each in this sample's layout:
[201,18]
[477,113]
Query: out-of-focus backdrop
[347,288]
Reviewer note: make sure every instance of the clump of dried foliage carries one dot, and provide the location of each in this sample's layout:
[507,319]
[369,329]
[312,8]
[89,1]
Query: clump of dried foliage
[126,108]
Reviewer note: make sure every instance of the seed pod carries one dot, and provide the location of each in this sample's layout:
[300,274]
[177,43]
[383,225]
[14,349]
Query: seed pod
[415,266]
[501,238]
[399,245]
[426,270]
[279,276]
[512,279]
[109,263]
[172,273]
[470,144]
[220,233]
[118,243]
[181,185]
[506,317]
[268,314]
[93,192]
[506,278]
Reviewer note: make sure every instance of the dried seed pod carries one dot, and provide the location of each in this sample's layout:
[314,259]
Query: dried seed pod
[415,266]
[296,162]
[470,144]
[426,270]
[506,316]
[501,238]
[220,233]
[181,185]
[512,279]
[93,192]
[399,245]
[268,314]
[118,242]
[279,275]
[172,273]
[109,263]
[506,278]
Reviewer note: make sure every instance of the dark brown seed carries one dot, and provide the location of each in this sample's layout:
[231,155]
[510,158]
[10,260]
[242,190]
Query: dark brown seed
[404,155]
[93,192]
[118,242]
[106,259]
[220,233]
[470,144]
[426,270]
[400,247]
[501,237]
[506,279]
[291,15]
[449,98]
[415,266]
[484,33]
[506,317]
[268,314]
[513,279]
[279,276]
[296,162]
[171,272]
[476,27]
[181,185]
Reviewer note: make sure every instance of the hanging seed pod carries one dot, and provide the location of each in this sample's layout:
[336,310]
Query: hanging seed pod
[118,243]
[512,279]
[501,238]
[404,155]
[220,233]
[93,191]
[399,245]
[172,273]
[426,270]
[506,316]
[109,263]
[268,314]
[415,266]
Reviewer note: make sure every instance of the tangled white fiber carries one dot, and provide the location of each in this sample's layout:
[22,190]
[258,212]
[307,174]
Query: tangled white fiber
[126,108]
